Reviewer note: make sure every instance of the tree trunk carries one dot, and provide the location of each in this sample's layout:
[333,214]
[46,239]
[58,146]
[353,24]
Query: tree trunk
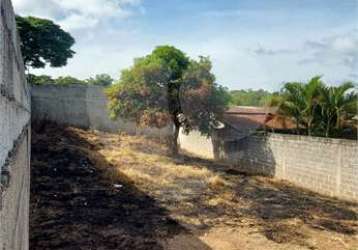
[174,142]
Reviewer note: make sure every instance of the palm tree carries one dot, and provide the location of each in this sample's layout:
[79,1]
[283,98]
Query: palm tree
[338,104]
[300,101]
[291,103]
[311,97]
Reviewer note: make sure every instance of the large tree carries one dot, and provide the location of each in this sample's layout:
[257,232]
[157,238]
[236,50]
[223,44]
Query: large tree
[168,88]
[44,42]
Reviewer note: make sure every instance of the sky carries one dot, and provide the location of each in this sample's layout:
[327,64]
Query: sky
[252,43]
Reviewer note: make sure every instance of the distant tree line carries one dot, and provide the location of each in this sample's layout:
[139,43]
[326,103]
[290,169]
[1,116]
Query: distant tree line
[104,80]
[249,97]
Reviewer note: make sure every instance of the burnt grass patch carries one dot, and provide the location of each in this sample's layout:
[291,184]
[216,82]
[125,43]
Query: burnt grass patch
[75,205]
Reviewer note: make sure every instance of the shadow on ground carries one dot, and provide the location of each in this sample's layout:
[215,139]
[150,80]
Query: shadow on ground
[281,209]
[75,203]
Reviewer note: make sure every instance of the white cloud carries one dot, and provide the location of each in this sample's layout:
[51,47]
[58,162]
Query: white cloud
[338,49]
[76,14]
[272,52]
[41,8]
[76,22]
[334,56]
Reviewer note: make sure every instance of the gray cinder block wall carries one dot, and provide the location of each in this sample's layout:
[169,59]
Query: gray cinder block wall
[324,165]
[81,106]
[327,166]
[14,137]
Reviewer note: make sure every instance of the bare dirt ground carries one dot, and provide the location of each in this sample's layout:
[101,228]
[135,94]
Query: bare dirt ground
[94,190]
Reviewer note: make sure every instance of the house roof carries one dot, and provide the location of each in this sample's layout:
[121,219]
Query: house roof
[245,118]
[251,110]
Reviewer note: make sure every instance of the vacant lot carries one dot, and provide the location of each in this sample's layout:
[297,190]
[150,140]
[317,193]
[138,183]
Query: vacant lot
[95,190]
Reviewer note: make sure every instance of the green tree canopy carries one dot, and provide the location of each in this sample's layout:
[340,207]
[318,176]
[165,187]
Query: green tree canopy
[301,102]
[316,108]
[166,87]
[43,41]
[338,105]
[100,80]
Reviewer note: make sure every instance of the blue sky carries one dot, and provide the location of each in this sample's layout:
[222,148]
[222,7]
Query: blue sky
[252,43]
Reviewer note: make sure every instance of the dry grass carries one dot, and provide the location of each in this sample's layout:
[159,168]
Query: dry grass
[202,195]
[217,182]
[147,164]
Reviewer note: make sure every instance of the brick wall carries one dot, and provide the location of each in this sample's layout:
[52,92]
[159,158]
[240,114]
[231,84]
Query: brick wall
[14,137]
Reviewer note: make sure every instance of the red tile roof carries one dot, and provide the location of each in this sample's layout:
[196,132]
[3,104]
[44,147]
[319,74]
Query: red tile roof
[253,118]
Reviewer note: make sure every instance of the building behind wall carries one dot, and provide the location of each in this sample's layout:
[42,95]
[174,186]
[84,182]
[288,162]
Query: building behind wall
[14,137]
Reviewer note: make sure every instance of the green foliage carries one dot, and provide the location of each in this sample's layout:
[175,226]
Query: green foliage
[249,97]
[40,79]
[317,109]
[43,41]
[100,80]
[337,107]
[166,87]
[45,79]
[68,80]
[202,100]
[301,102]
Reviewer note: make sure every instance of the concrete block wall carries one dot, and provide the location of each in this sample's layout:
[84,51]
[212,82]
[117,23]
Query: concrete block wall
[327,166]
[81,106]
[14,136]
